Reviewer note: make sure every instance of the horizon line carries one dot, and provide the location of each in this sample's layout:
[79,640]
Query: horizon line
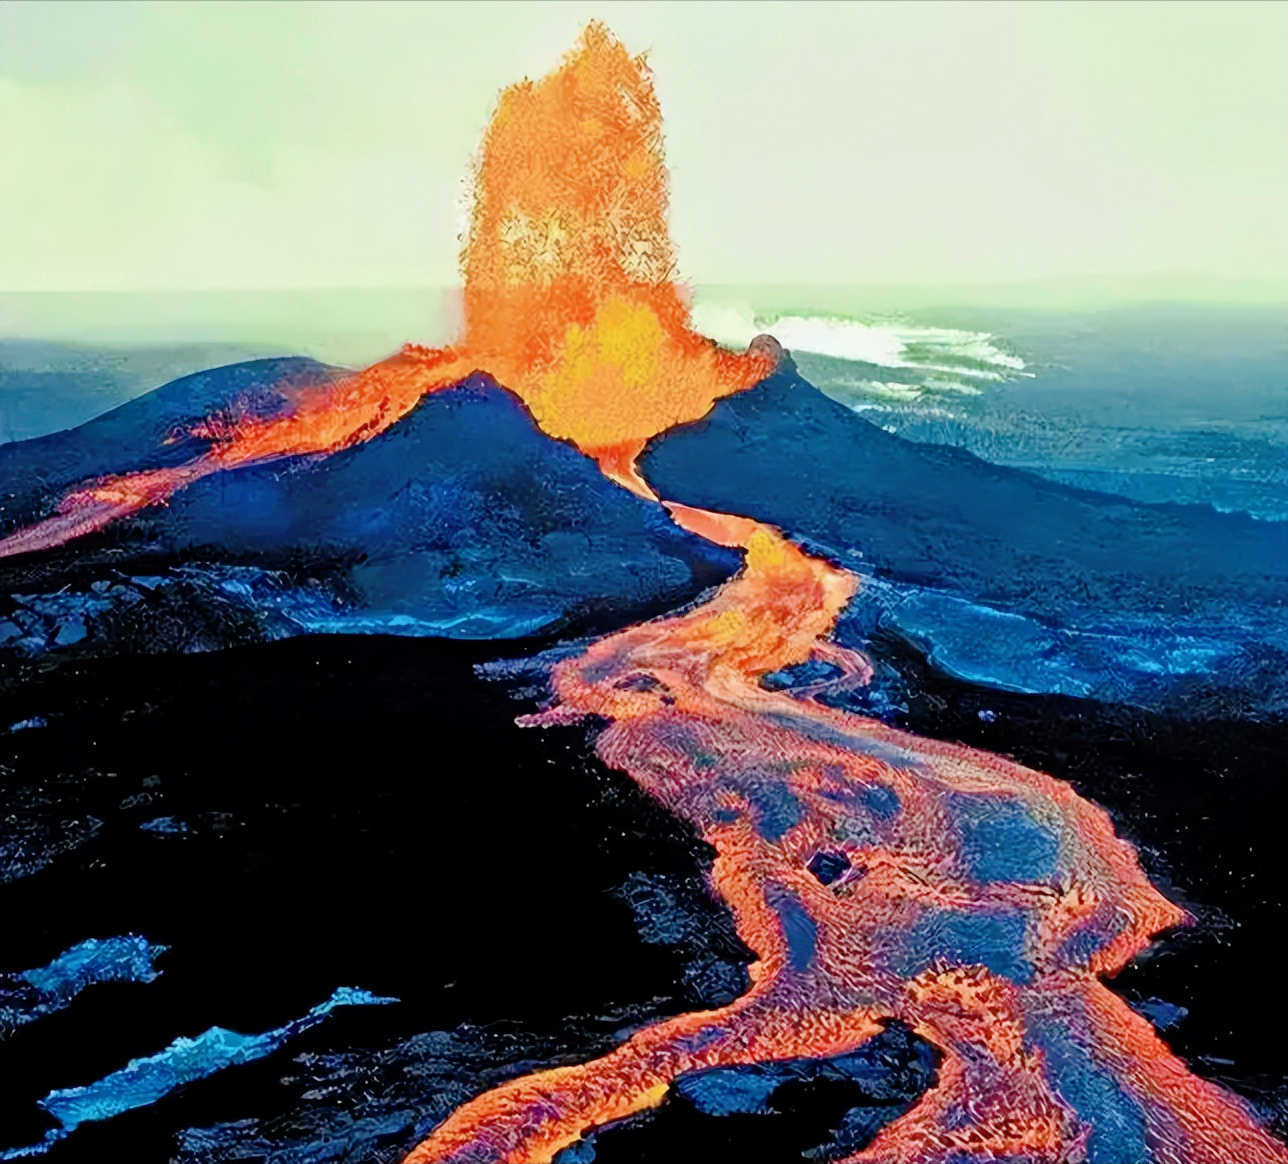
[1080,279]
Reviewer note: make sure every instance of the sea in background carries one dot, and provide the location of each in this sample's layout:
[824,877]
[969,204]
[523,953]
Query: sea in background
[1158,401]
[1162,392]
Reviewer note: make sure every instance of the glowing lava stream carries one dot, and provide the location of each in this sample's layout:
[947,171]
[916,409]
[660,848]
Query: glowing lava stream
[1040,1057]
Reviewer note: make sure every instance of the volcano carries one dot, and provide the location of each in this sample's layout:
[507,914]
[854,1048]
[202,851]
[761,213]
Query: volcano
[664,763]
[461,519]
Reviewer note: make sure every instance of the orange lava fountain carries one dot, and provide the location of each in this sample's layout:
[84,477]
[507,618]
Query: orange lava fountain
[570,283]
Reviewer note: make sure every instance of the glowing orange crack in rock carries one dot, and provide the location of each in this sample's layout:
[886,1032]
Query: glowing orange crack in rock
[324,418]
[690,723]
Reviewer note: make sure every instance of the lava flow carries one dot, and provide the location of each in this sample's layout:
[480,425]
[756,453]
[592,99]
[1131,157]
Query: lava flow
[571,301]
[974,900]
[980,903]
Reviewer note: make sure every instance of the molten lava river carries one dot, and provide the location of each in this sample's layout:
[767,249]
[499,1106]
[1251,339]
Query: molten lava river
[991,951]
[877,876]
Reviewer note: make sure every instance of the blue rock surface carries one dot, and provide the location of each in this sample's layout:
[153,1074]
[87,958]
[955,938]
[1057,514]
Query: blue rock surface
[33,994]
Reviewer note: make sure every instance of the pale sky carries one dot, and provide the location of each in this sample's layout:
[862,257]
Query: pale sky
[271,145]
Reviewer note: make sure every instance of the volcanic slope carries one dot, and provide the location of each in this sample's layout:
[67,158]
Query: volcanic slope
[462,519]
[999,577]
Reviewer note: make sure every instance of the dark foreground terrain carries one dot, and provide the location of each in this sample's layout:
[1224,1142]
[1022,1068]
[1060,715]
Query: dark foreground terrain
[329,811]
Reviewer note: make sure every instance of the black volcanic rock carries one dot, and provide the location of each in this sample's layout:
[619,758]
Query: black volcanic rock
[291,817]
